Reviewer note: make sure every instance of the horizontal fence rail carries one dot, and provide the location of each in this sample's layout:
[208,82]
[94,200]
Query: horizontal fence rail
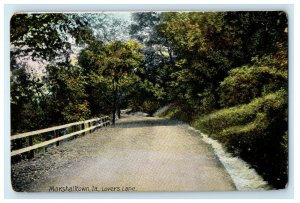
[92,124]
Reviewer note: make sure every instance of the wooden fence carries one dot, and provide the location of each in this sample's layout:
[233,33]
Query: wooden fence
[84,126]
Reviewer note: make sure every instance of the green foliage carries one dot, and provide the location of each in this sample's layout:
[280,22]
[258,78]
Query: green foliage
[157,91]
[67,87]
[219,120]
[111,67]
[255,131]
[178,112]
[26,95]
[203,56]
[215,122]
[143,29]
[149,106]
[208,45]
[246,83]
[146,97]
[76,112]
[157,66]
[258,32]
[45,36]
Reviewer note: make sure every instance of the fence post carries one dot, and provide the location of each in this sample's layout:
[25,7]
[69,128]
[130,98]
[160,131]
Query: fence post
[55,136]
[30,143]
[82,128]
[89,125]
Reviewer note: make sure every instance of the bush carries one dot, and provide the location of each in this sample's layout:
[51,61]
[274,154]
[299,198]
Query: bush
[76,112]
[219,120]
[149,106]
[242,114]
[256,132]
[178,112]
[246,83]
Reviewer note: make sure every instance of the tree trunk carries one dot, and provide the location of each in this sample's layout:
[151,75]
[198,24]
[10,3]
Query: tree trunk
[113,116]
[118,103]
[114,105]
[119,111]
[114,109]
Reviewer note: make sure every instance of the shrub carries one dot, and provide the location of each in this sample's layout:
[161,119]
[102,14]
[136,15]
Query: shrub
[256,132]
[178,112]
[76,112]
[215,122]
[149,106]
[246,83]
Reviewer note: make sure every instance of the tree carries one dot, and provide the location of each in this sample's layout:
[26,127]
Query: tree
[112,66]
[106,27]
[208,45]
[259,33]
[25,102]
[67,96]
[47,38]
[157,65]
[202,50]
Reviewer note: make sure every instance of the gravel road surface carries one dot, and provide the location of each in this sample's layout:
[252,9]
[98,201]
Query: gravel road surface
[138,154]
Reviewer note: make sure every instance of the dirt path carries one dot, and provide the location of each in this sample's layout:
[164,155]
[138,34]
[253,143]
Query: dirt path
[138,154]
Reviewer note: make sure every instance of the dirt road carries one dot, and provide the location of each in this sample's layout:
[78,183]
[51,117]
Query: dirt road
[138,154]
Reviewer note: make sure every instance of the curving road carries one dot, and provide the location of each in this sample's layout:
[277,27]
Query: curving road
[138,154]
